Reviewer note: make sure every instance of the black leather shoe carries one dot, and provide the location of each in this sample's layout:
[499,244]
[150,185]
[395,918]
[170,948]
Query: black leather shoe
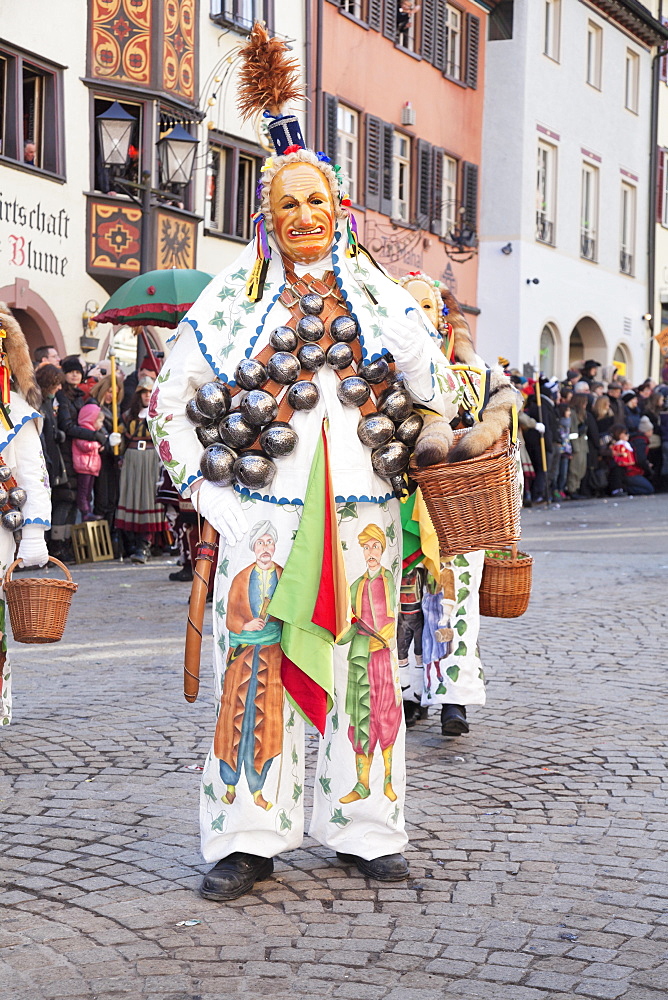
[390,868]
[453,720]
[411,713]
[234,876]
[184,575]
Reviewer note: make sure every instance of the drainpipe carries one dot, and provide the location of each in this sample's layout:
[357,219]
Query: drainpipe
[653,177]
[308,55]
[317,103]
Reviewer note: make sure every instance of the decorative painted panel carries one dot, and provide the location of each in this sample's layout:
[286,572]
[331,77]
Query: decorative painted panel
[178,58]
[121,40]
[176,239]
[114,238]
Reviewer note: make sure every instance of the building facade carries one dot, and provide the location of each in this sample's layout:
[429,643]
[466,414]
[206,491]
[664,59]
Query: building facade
[566,184]
[70,232]
[396,90]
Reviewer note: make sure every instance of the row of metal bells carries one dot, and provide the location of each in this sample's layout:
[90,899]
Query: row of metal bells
[15,497]
[221,465]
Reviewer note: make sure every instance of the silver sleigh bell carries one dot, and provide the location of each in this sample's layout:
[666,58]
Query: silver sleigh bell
[390,459]
[254,470]
[213,400]
[5,473]
[311,357]
[12,520]
[353,391]
[409,429]
[283,368]
[283,338]
[236,432]
[311,304]
[17,497]
[375,429]
[193,413]
[217,464]
[374,371]
[250,374]
[303,395]
[343,329]
[259,407]
[396,404]
[339,357]
[208,435]
[278,439]
[310,329]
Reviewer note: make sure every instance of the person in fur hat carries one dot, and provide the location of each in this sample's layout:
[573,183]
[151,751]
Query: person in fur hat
[21,452]
[298,351]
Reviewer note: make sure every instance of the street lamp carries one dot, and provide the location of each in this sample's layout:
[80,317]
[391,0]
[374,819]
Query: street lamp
[115,125]
[176,153]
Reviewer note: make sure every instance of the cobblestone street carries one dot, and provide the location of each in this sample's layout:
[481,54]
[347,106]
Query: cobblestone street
[538,842]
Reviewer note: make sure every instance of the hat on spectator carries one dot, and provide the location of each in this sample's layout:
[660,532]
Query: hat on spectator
[572,374]
[645,426]
[149,364]
[614,385]
[71,364]
[590,363]
[597,385]
[628,395]
[145,382]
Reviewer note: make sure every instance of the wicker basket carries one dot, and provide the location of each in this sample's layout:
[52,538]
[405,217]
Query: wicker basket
[505,587]
[38,607]
[474,504]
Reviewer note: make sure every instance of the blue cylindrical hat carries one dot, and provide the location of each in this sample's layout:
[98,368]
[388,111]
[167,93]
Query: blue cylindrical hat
[285,132]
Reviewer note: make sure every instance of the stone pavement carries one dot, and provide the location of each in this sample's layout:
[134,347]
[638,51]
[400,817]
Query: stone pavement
[538,842]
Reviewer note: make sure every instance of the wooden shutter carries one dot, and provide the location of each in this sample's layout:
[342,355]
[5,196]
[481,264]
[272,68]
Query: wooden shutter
[435,223]
[440,34]
[390,8]
[470,195]
[660,181]
[373,156]
[425,190]
[375,14]
[472,50]
[330,119]
[387,170]
[428,29]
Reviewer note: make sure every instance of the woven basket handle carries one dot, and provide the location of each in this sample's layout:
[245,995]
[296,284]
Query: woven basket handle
[52,559]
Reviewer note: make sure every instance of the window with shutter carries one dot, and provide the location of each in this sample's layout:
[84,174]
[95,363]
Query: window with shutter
[387,169]
[470,198]
[440,34]
[330,109]
[425,190]
[472,50]
[435,222]
[374,14]
[373,166]
[428,29]
[390,19]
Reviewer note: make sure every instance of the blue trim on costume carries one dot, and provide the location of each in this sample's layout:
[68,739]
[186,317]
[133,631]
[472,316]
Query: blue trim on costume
[203,349]
[336,268]
[260,327]
[33,415]
[244,491]
[38,520]
[191,479]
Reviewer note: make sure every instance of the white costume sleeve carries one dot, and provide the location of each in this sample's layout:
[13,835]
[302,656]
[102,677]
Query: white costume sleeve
[418,356]
[174,435]
[30,473]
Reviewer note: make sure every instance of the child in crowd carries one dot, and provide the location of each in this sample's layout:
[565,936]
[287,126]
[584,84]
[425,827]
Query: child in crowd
[635,483]
[564,415]
[87,459]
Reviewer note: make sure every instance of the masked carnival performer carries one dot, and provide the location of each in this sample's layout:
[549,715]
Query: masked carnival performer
[25,497]
[297,369]
[439,621]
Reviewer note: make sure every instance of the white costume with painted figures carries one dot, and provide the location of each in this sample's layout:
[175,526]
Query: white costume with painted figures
[21,450]
[252,791]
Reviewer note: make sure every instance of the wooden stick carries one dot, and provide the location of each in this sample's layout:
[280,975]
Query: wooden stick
[114,397]
[200,588]
[539,404]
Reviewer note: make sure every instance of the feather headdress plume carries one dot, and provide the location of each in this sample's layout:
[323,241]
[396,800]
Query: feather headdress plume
[268,78]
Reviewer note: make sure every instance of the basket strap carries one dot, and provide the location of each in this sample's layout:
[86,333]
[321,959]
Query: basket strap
[514,422]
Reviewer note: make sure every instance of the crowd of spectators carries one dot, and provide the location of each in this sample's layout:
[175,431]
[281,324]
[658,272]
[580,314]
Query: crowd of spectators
[96,472]
[582,437]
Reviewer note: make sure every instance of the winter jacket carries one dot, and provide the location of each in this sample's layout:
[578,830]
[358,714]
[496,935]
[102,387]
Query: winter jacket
[86,456]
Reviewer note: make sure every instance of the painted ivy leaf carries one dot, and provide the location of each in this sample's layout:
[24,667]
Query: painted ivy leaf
[462,594]
[248,306]
[461,649]
[225,351]
[237,326]
[380,310]
[291,721]
[162,377]
[209,792]
[460,561]
[338,818]
[295,756]
[221,643]
[347,512]
[226,292]
[326,784]
[383,505]
[219,320]
[395,565]
[220,607]
[296,792]
[453,673]
[344,546]
[335,722]
[328,751]
[239,275]
[391,532]
[219,822]
[224,566]
[395,815]
[286,822]
[465,578]
[461,626]
[441,687]
[460,612]
[481,674]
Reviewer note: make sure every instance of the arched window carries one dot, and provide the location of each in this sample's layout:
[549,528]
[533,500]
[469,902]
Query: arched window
[621,362]
[548,351]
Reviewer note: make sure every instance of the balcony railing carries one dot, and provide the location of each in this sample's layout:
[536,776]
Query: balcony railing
[587,245]
[544,229]
[625,261]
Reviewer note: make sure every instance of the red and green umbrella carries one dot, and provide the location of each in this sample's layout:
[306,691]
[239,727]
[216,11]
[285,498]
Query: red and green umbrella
[157,298]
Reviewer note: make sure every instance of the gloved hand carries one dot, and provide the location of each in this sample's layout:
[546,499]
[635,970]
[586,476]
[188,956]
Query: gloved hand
[60,436]
[220,507]
[32,547]
[100,437]
[405,339]
[539,427]
[114,439]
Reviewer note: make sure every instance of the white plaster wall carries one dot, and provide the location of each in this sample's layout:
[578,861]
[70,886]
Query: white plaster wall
[524,89]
